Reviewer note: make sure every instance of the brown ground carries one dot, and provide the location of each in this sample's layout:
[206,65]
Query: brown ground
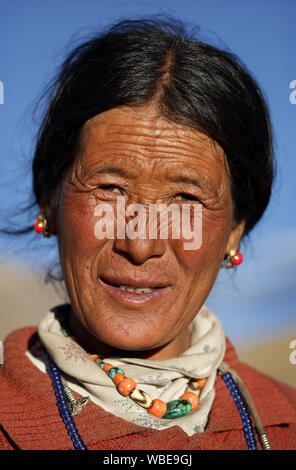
[25,299]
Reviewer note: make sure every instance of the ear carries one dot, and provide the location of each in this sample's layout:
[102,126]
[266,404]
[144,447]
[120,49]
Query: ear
[48,211]
[235,236]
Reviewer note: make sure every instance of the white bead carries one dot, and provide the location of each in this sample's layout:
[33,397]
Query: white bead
[141,398]
[193,387]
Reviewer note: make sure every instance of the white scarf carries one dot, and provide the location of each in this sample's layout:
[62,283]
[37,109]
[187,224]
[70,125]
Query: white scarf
[165,379]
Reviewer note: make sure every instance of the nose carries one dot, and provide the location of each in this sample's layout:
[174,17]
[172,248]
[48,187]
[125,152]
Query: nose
[138,251]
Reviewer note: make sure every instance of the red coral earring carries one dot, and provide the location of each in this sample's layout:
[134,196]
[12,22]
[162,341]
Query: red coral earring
[234,258]
[40,226]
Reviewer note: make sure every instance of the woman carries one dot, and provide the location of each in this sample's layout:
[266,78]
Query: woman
[153,160]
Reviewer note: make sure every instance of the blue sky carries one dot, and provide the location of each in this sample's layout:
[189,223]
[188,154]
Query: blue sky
[260,298]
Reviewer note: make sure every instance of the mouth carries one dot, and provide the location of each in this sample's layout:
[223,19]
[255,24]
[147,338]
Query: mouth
[138,290]
[134,292]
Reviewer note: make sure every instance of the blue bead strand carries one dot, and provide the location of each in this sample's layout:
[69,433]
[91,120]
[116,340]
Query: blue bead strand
[64,406]
[243,411]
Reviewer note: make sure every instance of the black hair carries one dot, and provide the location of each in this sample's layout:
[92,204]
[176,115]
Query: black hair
[135,62]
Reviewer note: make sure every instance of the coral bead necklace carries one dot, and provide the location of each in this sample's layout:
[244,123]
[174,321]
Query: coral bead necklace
[158,408]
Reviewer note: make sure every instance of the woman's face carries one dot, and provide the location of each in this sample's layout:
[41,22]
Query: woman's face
[135,154]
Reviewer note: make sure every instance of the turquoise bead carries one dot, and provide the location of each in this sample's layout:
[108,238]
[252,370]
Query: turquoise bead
[100,364]
[177,408]
[112,372]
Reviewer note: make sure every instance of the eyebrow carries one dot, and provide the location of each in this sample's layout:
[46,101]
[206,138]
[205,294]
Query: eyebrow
[115,170]
[186,180]
[204,186]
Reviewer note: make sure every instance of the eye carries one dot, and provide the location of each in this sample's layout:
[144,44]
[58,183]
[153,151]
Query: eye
[111,187]
[185,197]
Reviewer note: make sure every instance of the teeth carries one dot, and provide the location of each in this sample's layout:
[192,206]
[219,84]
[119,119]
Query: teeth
[138,290]
[143,290]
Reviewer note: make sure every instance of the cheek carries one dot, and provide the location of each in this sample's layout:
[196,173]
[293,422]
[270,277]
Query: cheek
[214,232]
[77,222]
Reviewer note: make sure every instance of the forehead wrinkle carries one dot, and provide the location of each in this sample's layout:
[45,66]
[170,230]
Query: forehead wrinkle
[141,143]
[117,132]
[176,137]
[150,128]
[171,148]
[165,135]
[131,118]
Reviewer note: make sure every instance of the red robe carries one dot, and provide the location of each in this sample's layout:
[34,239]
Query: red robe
[30,419]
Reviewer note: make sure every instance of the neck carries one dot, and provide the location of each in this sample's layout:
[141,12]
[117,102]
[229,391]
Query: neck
[92,345]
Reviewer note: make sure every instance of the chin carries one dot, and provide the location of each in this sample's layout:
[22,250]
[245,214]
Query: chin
[135,344]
